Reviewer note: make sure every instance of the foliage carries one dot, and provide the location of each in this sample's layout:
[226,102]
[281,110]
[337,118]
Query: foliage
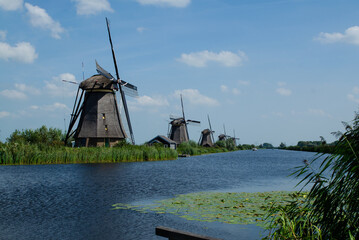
[333,202]
[226,207]
[266,146]
[192,148]
[282,145]
[42,136]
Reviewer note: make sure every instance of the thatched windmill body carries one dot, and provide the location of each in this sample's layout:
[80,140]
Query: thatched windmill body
[207,139]
[178,131]
[96,109]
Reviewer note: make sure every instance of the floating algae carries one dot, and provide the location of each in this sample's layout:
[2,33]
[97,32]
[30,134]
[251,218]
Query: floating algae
[233,208]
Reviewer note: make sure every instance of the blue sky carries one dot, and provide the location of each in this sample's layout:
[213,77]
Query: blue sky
[272,70]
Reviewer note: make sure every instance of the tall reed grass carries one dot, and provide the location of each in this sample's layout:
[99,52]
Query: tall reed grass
[19,154]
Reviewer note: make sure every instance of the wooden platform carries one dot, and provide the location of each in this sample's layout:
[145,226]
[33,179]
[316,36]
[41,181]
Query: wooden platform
[173,234]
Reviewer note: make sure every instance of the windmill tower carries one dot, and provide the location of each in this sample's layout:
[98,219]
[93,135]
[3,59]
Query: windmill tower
[207,139]
[99,121]
[223,137]
[179,131]
[234,138]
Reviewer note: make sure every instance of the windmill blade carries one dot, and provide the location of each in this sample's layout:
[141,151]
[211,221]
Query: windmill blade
[73,82]
[103,72]
[174,117]
[193,122]
[129,89]
[120,87]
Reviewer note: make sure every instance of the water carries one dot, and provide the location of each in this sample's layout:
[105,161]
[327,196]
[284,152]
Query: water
[74,201]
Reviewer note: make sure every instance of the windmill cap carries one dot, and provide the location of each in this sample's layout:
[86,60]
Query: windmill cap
[96,82]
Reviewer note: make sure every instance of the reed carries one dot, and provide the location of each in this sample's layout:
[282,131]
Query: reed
[22,154]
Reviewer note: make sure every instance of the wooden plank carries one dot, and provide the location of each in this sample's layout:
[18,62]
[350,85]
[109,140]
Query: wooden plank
[173,234]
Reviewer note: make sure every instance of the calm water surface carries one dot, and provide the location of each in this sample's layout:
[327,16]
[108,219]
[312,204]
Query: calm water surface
[74,201]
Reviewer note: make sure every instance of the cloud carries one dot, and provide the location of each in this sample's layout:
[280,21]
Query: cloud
[21,52]
[4,114]
[51,107]
[318,112]
[92,7]
[148,103]
[166,3]
[354,95]
[23,87]
[13,94]
[11,5]
[140,29]
[40,18]
[196,98]
[235,91]
[56,87]
[351,36]
[244,83]
[284,91]
[224,88]
[200,59]
[2,35]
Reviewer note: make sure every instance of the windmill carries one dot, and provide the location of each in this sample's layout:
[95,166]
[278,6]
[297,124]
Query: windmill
[223,137]
[234,138]
[178,131]
[207,138]
[99,121]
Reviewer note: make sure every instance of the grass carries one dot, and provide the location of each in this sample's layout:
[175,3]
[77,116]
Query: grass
[22,154]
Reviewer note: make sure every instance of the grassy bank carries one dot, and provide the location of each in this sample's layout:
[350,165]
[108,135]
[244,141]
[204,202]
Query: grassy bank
[18,154]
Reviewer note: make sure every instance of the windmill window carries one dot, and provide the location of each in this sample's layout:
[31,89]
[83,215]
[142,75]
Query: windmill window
[103,116]
[106,129]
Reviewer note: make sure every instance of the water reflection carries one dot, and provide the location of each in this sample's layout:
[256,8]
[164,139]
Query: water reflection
[74,201]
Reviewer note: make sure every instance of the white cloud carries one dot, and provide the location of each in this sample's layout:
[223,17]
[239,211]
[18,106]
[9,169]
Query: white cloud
[11,5]
[4,114]
[196,98]
[40,18]
[57,87]
[140,29]
[235,91]
[224,88]
[92,7]
[318,112]
[351,35]
[2,35]
[51,107]
[200,59]
[166,3]
[23,87]
[148,103]
[22,52]
[284,91]
[281,84]
[354,95]
[244,83]
[13,94]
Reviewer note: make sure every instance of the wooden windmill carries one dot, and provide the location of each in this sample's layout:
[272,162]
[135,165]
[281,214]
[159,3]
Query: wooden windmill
[178,131]
[207,139]
[223,136]
[97,112]
[234,138]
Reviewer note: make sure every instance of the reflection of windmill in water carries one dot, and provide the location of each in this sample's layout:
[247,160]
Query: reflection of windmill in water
[179,131]
[207,139]
[97,110]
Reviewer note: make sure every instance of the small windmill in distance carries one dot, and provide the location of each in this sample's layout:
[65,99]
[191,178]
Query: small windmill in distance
[206,139]
[178,131]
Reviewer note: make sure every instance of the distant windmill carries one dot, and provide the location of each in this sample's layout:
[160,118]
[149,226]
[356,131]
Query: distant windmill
[178,131]
[99,118]
[234,138]
[207,139]
[223,137]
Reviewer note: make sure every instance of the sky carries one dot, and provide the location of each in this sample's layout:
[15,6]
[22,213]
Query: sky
[269,70]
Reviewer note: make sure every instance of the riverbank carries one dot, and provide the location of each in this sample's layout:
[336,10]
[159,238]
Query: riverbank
[23,154]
